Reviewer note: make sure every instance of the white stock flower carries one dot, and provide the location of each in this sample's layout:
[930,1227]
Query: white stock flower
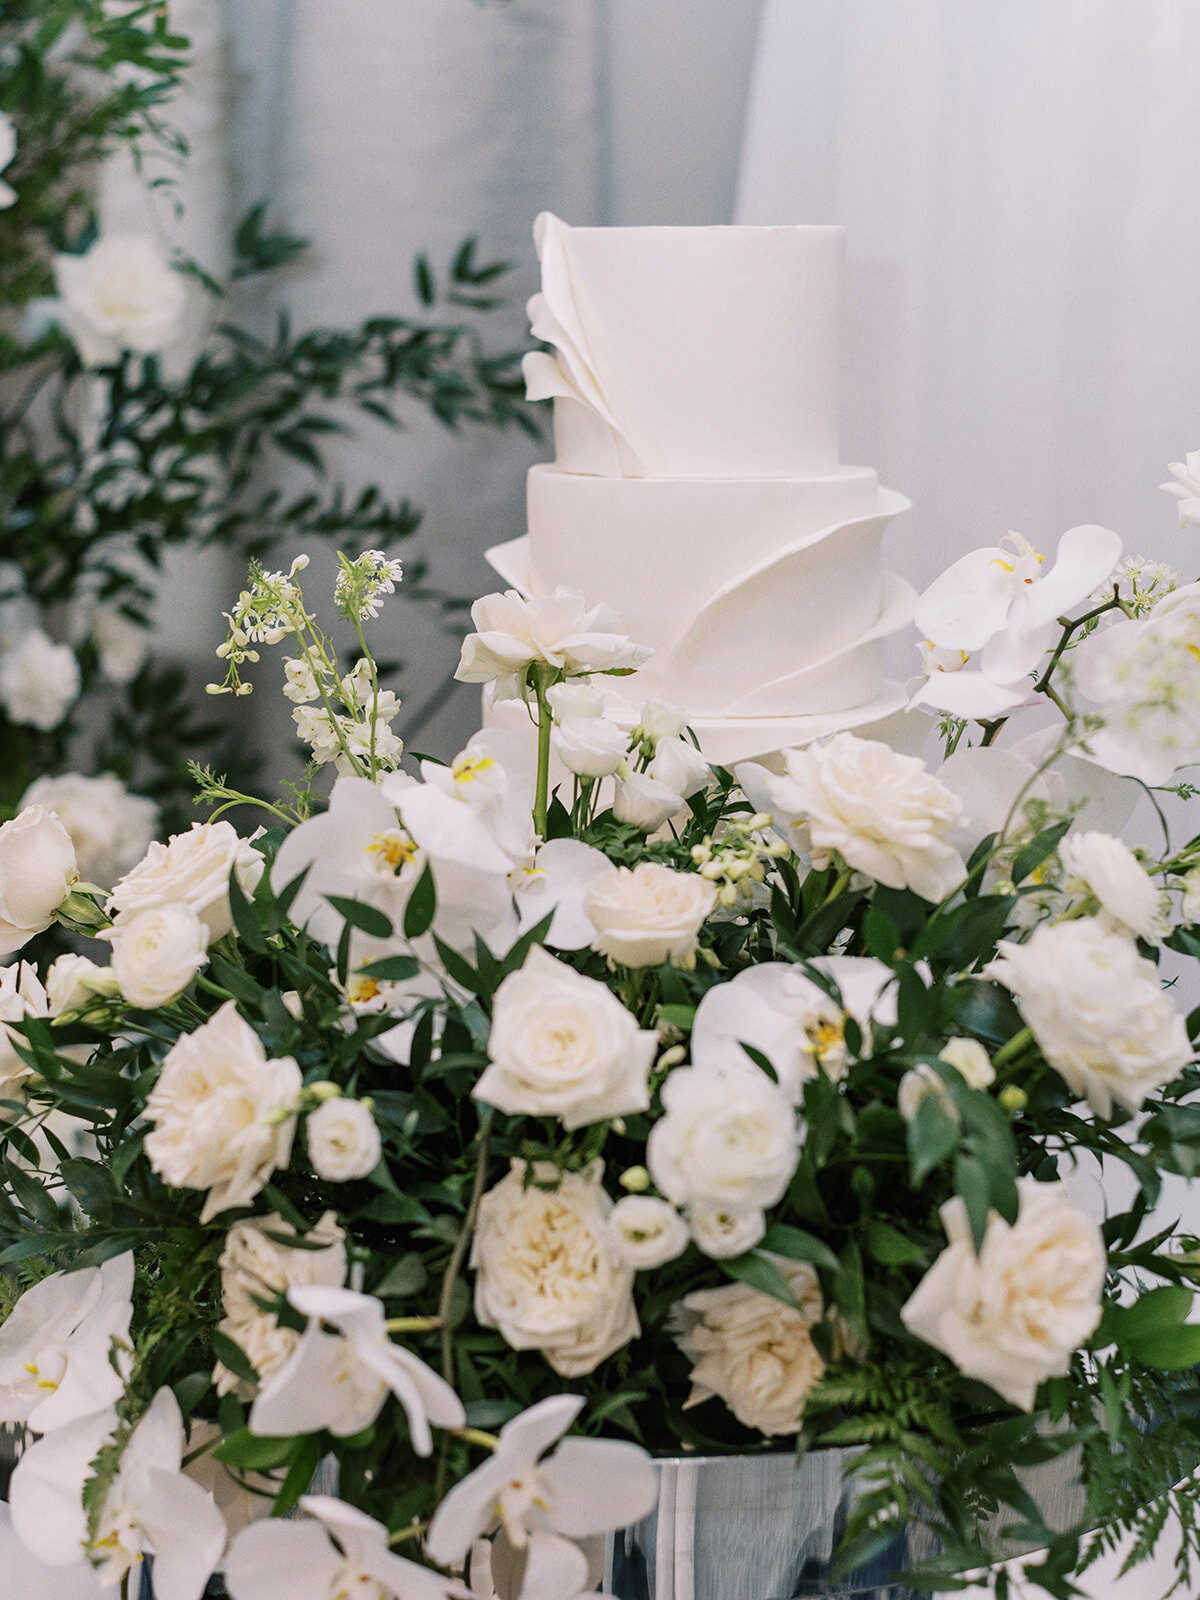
[1105,867]
[1097,1010]
[1013,1314]
[752,1351]
[999,606]
[223,1113]
[343,1140]
[156,953]
[339,1380]
[643,801]
[589,746]
[37,872]
[256,1265]
[646,1231]
[21,996]
[882,812]
[39,681]
[649,914]
[558,631]
[679,766]
[1185,487]
[659,720]
[110,828]
[728,1141]
[547,1275]
[721,1233]
[57,1345]
[120,296]
[74,983]
[191,869]
[8,149]
[563,1045]
[576,697]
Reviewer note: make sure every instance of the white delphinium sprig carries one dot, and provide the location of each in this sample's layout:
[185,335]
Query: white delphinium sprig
[1142,583]
[361,584]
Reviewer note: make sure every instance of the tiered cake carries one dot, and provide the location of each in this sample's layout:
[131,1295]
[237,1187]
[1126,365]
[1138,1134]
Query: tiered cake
[697,487]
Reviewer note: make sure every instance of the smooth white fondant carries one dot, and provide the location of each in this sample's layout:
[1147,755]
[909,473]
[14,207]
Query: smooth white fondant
[694,352]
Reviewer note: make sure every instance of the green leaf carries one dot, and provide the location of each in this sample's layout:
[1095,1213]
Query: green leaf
[423,280]
[92,1186]
[932,1135]
[404,1277]
[422,903]
[1041,846]
[971,1182]
[1168,1349]
[797,1245]
[1152,1311]
[299,1474]
[31,1195]
[392,969]
[367,919]
[890,1247]
[233,1356]
[244,919]
[254,1454]
[762,1274]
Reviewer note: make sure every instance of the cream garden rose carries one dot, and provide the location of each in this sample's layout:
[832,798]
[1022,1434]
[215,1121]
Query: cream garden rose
[37,871]
[343,1140]
[1097,1010]
[547,1273]
[649,914]
[563,1045]
[110,828]
[223,1113]
[752,1351]
[156,953]
[1013,1314]
[191,869]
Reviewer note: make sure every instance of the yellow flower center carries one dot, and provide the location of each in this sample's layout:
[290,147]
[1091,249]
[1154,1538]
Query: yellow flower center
[394,848]
[467,771]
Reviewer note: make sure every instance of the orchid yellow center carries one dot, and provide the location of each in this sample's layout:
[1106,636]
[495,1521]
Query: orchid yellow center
[825,1036]
[360,989]
[1021,555]
[394,848]
[466,771]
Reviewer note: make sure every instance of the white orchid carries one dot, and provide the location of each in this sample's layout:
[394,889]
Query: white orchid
[558,631]
[999,606]
[557,881]
[1185,486]
[587,1486]
[340,1380]
[56,1347]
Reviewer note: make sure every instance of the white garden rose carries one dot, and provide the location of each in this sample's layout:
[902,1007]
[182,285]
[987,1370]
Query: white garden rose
[21,996]
[1097,1010]
[574,698]
[1013,1314]
[223,1113]
[649,914]
[74,983]
[589,746]
[679,766]
[556,630]
[728,1141]
[343,1140]
[37,871]
[256,1266]
[882,812]
[191,869]
[39,681]
[646,1231]
[752,1351]
[156,953]
[110,828]
[548,1275]
[563,1045]
[721,1233]
[659,720]
[643,802]
[1107,868]
[120,296]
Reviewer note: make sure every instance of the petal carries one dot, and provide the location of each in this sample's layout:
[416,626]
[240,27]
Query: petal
[555,1569]
[532,1433]
[186,1533]
[302,1396]
[45,1495]
[970,694]
[969,603]
[596,1485]
[281,1561]
[1086,556]
[467,1510]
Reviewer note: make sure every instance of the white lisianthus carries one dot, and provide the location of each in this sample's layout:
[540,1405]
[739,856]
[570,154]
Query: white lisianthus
[74,984]
[37,872]
[120,296]
[679,766]
[970,1060]
[728,1141]
[547,1275]
[39,681]
[1185,487]
[752,1351]
[589,746]
[343,1140]
[21,996]
[110,828]
[721,1233]
[574,698]
[882,812]
[8,149]
[156,953]
[649,914]
[191,869]
[563,1045]
[1097,1010]
[1105,867]
[255,1265]
[658,720]
[646,1231]
[1013,1314]
[223,1113]
[643,801]
[556,630]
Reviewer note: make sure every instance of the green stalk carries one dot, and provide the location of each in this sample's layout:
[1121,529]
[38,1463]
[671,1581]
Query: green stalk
[450,1278]
[541,801]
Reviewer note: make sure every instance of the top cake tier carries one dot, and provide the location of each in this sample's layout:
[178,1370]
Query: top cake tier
[689,352]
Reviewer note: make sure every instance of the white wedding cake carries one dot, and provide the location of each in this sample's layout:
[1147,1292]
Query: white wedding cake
[697,488]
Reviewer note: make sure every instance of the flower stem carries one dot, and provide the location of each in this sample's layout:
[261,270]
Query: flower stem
[453,1268]
[1013,1047]
[542,794]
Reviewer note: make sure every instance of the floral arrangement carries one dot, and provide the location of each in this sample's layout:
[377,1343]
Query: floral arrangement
[503,1123]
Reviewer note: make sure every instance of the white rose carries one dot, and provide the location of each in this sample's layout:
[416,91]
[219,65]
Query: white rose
[679,766]
[548,1276]
[21,996]
[191,869]
[8,149]
[646,1232]
[574,698]
[553,630]
[1109,870]
[39,681]
[120,296]
[970,1060]
[216,1110]
[37,870]
[1013,1314]
[563,1045]
[662,721]
[156,953]
[256,1266]
[881,811]
[752,1351]
[649,915]
[1097,1010]
[727,1141]
[343,1140]
[73,983]
[644,802]
[721,1234]
[589,746]
[110,828]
